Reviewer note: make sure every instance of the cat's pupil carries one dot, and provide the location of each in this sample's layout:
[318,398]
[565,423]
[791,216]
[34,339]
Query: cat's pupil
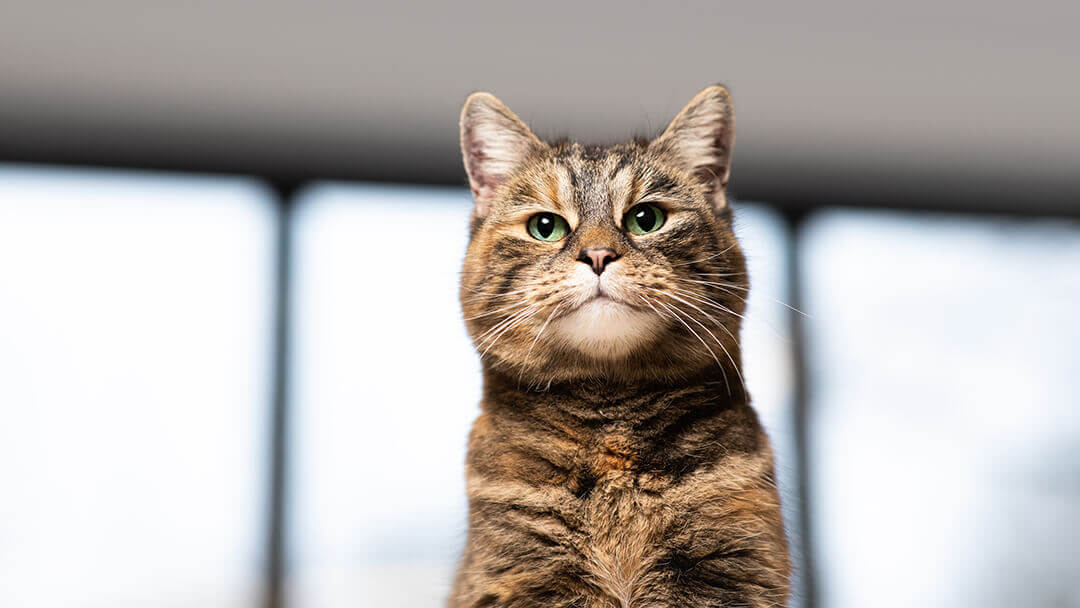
[545,224]
[645,219]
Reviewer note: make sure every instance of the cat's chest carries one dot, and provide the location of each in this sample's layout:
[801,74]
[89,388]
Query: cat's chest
[618,461]
[624,516]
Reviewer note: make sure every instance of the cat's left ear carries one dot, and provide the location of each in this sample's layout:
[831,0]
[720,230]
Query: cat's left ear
[494,142]
[701,138]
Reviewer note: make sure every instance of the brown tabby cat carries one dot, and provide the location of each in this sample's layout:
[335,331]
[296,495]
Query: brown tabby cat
[617,462]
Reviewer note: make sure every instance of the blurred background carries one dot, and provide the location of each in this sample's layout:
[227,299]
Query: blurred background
[228,378]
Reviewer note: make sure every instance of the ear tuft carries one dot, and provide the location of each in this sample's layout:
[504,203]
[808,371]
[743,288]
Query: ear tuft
[701,139]
[494,141]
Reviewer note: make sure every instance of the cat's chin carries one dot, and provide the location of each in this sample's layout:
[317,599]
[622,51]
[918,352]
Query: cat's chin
[605,329]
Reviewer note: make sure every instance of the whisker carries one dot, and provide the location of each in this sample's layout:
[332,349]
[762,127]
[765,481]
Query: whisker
[707,315]
[713,303]
[522,317]
[496,331]
[700,339]
[710,302]
[495,293]
[537,339]
[483,295]
[510,327]
[746,289]
[704,259]
[496,311]
[717,285]
[510,317]
[718,342]
[649,304]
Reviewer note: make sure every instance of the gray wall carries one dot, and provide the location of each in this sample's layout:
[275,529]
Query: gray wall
[915,103]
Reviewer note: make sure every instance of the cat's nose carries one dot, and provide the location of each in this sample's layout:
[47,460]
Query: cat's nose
[598,258]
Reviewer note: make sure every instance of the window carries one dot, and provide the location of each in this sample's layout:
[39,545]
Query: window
[134,367]
[946,431]
[137,343]
[387,385]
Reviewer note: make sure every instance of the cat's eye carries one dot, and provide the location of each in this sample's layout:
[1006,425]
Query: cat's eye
[547,227]
[644,218]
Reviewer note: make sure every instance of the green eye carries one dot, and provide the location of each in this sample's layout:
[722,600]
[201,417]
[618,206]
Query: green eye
[644,218]
[547,227]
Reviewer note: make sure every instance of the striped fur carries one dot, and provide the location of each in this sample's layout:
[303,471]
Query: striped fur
[617,462]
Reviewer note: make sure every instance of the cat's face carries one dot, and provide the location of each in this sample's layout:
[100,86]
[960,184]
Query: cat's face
[593,262]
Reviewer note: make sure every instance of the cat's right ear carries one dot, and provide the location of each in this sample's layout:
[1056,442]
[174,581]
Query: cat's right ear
[700,139]
[494,141]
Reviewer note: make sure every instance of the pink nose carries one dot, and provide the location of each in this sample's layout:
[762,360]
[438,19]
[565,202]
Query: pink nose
[598,258]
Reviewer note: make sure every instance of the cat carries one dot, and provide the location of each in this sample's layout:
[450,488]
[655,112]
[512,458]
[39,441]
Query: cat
[616,461]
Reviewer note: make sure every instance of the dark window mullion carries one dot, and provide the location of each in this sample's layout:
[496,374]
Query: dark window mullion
[796,220]
[277,495]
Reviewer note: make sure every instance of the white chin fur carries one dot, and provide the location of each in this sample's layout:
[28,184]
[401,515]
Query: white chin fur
[606,329]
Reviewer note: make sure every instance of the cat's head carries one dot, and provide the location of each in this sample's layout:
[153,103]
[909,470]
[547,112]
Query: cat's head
[588,261]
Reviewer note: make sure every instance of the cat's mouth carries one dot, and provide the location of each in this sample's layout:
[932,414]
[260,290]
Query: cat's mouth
[605,327]
[601,299]
[600,294]
[605,305]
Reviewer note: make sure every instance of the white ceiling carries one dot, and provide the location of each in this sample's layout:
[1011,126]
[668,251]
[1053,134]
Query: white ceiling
[844,101]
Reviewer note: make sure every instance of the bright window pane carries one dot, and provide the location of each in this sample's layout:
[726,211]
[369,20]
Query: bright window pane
[386,386]
[945,379]
[134,324]
[767,349]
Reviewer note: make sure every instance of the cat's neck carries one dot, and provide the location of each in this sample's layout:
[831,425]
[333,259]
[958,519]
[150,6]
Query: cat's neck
[599,400]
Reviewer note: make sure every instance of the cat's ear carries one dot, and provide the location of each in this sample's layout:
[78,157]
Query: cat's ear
[494,141]
[701,138]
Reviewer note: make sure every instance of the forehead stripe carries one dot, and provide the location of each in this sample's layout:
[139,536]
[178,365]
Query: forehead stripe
[619,166]
[624,189]
[566,186]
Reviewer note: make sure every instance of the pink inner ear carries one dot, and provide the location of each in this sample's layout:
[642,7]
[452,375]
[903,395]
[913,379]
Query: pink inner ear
[493,141]
[714,183]
[480,181]
[482,189]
